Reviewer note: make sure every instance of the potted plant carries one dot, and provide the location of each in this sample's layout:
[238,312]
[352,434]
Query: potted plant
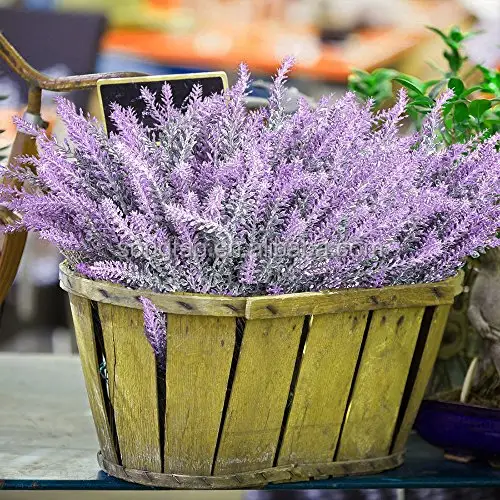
[292,273]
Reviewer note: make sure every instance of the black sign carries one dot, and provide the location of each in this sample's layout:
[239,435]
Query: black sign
[127,91]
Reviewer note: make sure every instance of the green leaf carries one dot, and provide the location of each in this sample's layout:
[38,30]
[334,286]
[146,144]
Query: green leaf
[385,73]
[461,113]
[488,88]
[423,101]
[488,73]
[454,59]
[459,36]
[448,105]
[414,115]
[360,72]
[456,85]
[376,85]
[439,32]
[478,107]
[491,118]
[413,79]
[434,91]
[408,84]
[417,107]
[491,83]
[471,90]
[456,35]
[447,137]
[3,97]
[448,121]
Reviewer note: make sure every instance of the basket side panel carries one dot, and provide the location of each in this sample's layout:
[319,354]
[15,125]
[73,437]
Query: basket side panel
[199,355]
[81,311]
[380,383]
[324,381]
[259,395]
[131,367]
[429,355]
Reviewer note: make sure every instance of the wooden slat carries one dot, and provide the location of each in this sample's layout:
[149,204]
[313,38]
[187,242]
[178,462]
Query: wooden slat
[199,354]
[174,303]
[429,356]
[297,304]
[322,389]
[379,384]
[259,395]
[81,310]
[131,371]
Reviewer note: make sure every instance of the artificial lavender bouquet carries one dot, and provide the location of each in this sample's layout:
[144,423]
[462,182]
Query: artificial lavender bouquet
[215,199]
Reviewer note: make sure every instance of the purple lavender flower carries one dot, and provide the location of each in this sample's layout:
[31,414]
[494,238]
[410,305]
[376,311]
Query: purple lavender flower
[155,330]
[215,199]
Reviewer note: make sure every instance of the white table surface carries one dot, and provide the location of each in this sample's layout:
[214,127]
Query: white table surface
[46,428]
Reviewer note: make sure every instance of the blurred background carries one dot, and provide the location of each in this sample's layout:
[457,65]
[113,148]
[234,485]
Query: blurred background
[329,38]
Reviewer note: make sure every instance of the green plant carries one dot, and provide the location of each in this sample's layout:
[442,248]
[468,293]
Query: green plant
[376,85]
[466,112]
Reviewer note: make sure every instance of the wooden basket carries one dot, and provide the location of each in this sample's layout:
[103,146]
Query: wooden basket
[260,389]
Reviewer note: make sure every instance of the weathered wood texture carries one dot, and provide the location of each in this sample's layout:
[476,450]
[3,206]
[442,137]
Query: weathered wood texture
[323,384]
[253,479]
[427,361]
[295,304]
[131,368]
[174,303]
[379,385]
[259,395]
[199,354]
[82,320]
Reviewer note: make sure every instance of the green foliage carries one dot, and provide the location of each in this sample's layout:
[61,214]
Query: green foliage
[376,85]
[465,113]
[453,54]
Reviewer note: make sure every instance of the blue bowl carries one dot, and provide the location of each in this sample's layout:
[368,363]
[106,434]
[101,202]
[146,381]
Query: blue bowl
[461,430]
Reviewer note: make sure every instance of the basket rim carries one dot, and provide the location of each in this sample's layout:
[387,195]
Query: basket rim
[253,479]
[271,306]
